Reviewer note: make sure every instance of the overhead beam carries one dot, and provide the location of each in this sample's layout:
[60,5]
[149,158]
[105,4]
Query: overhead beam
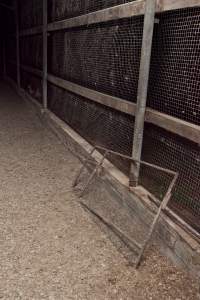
[7,6]
[122,11]
[177,126]
[126,10]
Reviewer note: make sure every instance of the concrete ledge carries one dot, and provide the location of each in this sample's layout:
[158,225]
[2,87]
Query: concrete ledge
[173,241]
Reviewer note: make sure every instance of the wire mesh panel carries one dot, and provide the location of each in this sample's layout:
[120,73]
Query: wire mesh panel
[61,9]
[31,51]
[30,13]
[103,57]
[96,123]
[171,151]
[32,85]
[174,86]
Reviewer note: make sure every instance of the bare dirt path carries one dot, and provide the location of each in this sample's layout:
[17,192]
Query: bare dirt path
[49,247]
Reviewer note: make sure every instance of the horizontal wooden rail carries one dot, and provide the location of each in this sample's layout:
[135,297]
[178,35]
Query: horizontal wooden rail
[31,70]
[31,31]
[126,10]
[185,129]
[182,128]
[7,6]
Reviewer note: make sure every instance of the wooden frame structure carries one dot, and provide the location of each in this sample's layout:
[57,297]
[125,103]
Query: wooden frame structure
[140,111]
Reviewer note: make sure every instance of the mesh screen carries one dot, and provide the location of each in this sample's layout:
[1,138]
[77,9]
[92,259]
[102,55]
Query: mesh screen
[171,151]
[108,128]
[61,9]
[30,13]
[96,123]
[103,57]
[31,51]
[174,85]
[32,85]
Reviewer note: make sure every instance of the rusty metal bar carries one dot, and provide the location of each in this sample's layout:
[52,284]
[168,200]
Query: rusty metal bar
[155,221]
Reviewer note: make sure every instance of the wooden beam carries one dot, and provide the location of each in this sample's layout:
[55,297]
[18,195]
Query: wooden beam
[104,99]
[126,10]
[44,41]
[31,31]
[185,129]
[166,5]
[7,6]
[31,70]
[142,89]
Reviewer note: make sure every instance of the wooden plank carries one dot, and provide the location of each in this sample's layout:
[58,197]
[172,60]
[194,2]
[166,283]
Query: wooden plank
[113,13]
[7,6]
[166,5]
[126,10]
[142,89]
[31,70]
[44,78]
[104,99]
[31,31]
[185,129]
[182,128]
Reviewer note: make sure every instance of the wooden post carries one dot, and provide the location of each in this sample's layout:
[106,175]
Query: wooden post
[142,89]
[44,82]
[4,57]
[17,44]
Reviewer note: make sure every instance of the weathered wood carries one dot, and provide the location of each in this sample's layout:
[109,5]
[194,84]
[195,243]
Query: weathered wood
[31,70]
[126,10]
[7,6]
[113,13]
[172,124]
[166,5]
[182,128]
[44,78]
[142,89]
[107,100]
[31,31]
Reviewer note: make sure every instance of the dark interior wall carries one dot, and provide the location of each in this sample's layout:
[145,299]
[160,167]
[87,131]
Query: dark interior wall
[106,58]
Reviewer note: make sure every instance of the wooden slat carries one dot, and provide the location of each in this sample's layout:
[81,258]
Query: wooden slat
[113,13]
[7,6]
[166,5]
[182,128]
[107,100]
[31,70]
[31,31]
[126,10]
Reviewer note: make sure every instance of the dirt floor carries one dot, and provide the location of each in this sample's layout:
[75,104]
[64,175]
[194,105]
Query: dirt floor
[50,248]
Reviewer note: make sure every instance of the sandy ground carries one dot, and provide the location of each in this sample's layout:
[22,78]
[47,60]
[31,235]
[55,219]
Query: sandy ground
[50,248]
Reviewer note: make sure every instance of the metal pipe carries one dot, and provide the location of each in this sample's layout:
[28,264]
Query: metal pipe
[142,89]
